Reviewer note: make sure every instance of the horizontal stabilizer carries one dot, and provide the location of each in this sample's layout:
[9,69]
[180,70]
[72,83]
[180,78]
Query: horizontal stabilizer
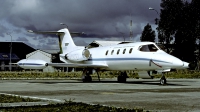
[54,32]
[45,32]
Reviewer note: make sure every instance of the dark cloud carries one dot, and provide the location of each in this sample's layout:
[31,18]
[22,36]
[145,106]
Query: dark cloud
[97,18]
[47,46]
[3,30]
[22,39]
[80,43]
[17,31]
[48,43]
[51,42]
[42,41]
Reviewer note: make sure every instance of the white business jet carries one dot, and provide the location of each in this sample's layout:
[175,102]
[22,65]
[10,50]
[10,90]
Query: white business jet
[142,57]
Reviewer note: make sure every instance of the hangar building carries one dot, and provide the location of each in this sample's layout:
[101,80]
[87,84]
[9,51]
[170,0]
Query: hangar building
[18,51]
[46,55]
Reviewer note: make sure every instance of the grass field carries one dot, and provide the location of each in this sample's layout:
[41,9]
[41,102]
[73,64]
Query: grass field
[12,99]
[68,106]
[106,74]
[181,74]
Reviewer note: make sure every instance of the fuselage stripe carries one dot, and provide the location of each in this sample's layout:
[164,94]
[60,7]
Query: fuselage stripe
[29,64]
[123,59]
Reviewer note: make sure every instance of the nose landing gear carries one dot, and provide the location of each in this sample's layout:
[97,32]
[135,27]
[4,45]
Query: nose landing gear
[163,80]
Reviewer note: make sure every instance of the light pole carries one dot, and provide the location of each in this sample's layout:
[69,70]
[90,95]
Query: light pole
[10,65]
[150,8]
[162,43]
[63,24]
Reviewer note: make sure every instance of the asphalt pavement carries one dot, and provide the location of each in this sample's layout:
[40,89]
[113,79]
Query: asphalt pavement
[177,95]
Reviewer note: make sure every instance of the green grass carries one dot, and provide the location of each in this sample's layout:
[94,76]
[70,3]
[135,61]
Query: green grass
[69,75]
[181,74]
[12,99]
[33,74]
[105,74]
[68,107]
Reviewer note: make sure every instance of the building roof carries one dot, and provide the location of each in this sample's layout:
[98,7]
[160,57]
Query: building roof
[18,48]
[6,56]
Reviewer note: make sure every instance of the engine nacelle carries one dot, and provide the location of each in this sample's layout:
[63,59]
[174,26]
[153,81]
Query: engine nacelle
[32,64]
[145,75]
[78,55]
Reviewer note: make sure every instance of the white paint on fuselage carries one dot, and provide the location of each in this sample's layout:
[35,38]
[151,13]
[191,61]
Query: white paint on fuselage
[136,60]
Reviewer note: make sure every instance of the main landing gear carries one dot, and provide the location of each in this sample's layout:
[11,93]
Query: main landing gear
[122,77]
[87,78]
[163,80]
[86,75]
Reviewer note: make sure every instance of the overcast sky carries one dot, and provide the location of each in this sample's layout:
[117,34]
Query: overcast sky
[99,19]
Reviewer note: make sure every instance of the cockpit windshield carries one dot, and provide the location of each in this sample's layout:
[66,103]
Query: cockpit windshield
[148,48]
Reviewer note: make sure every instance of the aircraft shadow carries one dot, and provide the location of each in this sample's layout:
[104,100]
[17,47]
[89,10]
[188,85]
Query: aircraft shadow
[141,82]
[154,82]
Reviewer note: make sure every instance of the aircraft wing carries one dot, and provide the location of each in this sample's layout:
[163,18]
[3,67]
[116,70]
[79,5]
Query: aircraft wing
[77,65]
[40,64]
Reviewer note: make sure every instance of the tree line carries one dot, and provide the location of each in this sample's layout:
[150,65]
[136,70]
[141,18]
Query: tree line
[178,29]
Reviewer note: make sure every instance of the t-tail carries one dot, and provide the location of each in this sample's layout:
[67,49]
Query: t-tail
[66,43]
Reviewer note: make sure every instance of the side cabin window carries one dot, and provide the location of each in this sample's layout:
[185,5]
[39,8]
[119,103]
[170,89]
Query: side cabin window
[107,52]
[124,51]
[112,52]
[118,51]
[148,48]
[130,51]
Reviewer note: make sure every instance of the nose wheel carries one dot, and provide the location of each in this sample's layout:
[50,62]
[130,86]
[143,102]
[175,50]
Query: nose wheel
[163,80]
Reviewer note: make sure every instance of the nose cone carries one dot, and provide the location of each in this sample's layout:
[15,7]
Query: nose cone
[177,63]
[185,64]
[181,64]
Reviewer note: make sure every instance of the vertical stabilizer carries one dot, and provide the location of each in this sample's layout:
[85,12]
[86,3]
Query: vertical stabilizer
[66,43]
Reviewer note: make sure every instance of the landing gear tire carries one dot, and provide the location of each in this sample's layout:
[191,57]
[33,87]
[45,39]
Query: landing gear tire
[163,80]
[87,79]
[121,79]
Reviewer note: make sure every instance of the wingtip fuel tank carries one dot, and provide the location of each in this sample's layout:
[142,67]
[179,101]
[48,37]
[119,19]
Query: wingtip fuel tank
[32,64]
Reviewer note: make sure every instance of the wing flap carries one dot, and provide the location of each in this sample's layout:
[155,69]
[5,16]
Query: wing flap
[77,65]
